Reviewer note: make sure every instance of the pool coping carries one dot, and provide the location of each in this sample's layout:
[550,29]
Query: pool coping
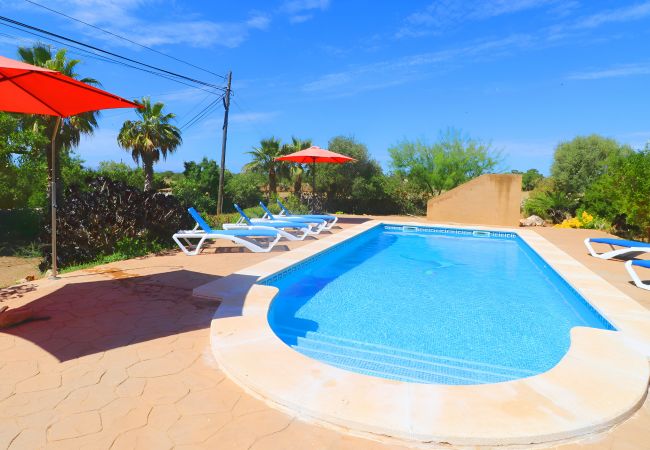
[602,379]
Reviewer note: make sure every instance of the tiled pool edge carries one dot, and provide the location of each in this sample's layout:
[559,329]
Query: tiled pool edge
[602,375]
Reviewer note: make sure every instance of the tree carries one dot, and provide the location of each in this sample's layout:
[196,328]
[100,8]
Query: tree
[530,179]
[243,189]
[579,162]
[16,146]
[199,185]
[119,171]
[71,128]
[622,193]
[264,162]
[296,171]
[343,183]
[454,159]
[150,137]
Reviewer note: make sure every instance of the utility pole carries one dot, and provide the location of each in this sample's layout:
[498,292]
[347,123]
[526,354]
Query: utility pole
[224,138]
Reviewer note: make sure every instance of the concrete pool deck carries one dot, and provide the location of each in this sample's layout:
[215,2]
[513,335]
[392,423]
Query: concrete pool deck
[124,362]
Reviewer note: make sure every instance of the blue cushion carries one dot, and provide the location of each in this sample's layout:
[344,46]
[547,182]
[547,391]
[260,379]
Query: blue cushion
[619,242]
[197,217]
[282,224]
[246,232]
[641,263]
[316,216]
[308,216]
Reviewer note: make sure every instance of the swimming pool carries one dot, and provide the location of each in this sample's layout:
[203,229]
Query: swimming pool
[430,305]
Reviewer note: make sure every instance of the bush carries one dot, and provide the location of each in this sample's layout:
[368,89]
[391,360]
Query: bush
[104,216]
[243,189]
[549,203]
[579,162]
[18,227]
[121,172]
[200,185]
[622,194]
[585,220]
[453,160]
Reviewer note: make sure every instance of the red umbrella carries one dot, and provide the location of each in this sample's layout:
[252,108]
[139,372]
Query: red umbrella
[35,90]
[313,155]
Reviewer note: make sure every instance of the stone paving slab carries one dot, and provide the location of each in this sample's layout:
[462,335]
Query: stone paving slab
[124,362]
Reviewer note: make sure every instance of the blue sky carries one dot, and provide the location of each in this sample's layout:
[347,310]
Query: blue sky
[523,74]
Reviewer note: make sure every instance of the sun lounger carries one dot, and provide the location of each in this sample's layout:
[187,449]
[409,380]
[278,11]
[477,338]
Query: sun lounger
[242,236]
[303,229]
[285,214]
[320,224]
[626,247]
[629,265]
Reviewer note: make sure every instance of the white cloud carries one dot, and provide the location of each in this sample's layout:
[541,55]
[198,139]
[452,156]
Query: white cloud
[443,14]
[252,117]
[388,73]
[613,72]
[626,14]
[301,18]
[124,17]
[301,10]
[297,6]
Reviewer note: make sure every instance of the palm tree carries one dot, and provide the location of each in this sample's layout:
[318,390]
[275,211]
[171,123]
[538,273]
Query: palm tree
[295,169]
[71,128]
[264,162]
[150,137]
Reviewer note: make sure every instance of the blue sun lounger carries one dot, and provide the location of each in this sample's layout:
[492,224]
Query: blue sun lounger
[304,229]
[629,265]
[285,214]
[626,247]
[243,236]
[320,224]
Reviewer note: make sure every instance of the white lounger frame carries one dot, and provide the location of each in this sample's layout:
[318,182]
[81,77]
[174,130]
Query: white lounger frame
[614,252]
[635,277]
[202,236]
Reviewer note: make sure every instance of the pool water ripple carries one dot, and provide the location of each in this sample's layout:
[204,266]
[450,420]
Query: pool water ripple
[430,307]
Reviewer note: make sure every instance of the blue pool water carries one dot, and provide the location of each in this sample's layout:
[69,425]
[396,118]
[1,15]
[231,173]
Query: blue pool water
[430,306]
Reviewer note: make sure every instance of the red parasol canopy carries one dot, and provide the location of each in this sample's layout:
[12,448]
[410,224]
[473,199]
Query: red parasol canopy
[35,90]
[313,155]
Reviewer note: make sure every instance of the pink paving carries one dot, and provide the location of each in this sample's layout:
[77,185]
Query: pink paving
[123,362]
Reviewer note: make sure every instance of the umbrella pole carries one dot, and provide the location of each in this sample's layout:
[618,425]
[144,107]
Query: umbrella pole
[53,199]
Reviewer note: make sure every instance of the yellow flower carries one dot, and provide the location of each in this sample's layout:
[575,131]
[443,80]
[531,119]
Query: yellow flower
[586,217]
[573,222]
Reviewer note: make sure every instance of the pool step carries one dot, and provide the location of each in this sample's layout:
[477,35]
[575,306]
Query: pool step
[390,362]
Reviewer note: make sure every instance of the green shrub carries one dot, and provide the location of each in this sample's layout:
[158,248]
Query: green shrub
[550,204]
[622,194]
[243,189]
[199,186]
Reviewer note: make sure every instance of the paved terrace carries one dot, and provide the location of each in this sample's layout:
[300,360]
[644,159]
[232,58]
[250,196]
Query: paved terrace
[124,362]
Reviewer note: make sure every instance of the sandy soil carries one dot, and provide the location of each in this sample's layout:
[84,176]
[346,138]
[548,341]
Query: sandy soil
[13,269]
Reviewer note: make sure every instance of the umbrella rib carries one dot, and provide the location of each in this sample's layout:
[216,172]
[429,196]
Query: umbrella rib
[81,85]
[33,96]
[10,78]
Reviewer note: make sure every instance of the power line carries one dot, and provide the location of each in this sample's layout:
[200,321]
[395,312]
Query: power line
[125,39]
[102,58]
[58,36]
[85,53]
[201,114]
